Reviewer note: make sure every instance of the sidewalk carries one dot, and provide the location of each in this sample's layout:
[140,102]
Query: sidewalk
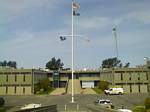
[88,91]
[58,91]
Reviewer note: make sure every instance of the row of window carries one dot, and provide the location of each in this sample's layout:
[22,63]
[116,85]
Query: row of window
[15,90]
[131,78]
[139,88]
[15,73]
[24,78]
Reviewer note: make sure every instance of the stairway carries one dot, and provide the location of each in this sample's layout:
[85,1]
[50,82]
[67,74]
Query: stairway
[77,86]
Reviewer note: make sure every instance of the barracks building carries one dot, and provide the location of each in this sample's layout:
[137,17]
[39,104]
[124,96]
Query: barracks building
[21,81]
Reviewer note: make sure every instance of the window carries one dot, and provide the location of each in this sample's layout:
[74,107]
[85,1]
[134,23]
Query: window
[6,89]
[121,76]
[6,78]
[15,77]
[23,90]
[15,89]
[146,75]
[24,78]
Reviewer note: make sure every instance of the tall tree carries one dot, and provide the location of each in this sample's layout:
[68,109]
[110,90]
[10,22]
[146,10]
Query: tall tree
[111,62]
[127,65]
[54,64]
[12,64]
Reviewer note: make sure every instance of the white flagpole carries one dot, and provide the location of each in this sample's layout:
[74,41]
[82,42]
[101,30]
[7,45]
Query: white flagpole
[72,61]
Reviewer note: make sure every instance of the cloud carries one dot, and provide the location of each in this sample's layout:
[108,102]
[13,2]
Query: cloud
[94,22]
[12,9]
[140,16]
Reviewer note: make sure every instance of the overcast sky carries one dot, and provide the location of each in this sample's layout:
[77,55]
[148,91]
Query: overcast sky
[30,29]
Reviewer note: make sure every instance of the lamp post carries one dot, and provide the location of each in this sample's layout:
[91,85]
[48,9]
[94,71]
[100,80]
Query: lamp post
[148,68]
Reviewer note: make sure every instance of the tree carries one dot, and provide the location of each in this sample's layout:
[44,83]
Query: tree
[103,85]
[54,64]
[12,64]
[127,65]
[111,62]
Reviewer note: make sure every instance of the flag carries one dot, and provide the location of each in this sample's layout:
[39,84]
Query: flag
[114,29]
[76,13]
[62,38]
[75,5]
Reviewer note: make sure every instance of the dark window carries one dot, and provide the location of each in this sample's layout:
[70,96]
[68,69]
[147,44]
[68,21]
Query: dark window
[138,78]
[130,78]
[15,89]
[24,78]
[15,77]
[23,90]
[147,76]
[6,78]
[139,89]
[6,89]
[130,89]
[121,76]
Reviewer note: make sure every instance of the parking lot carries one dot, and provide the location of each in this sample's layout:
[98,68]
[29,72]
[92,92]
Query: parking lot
[85,102]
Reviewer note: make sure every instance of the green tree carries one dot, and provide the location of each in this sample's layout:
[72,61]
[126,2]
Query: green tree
[147,103]
[12,64]
[54,64]
[111,62]
[103,85]
[127,65]
[2,101]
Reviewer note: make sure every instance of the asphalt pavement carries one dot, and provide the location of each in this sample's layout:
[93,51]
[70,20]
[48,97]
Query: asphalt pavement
[85,102]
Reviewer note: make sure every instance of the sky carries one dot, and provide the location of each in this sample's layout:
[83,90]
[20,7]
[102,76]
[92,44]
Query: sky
[30,30]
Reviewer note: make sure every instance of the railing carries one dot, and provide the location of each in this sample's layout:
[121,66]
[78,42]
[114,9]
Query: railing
[51,108]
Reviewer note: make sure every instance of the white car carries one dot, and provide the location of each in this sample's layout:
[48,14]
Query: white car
[104,102]
[117,91]
[30,106]
[124,110]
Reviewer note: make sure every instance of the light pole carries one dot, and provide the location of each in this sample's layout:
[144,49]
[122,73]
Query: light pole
[116,43]
[148,68]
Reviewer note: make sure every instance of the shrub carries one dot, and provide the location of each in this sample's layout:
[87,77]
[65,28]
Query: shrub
[103,85]
[139,109]
[147,103]
[2,101]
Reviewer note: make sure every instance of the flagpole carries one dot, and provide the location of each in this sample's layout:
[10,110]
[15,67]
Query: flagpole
[72,59]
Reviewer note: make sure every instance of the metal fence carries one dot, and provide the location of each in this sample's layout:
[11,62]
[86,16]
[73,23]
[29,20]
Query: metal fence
[51,108]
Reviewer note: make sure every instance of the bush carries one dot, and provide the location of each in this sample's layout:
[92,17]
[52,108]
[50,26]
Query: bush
[2,101]
[97,90]
[2,109]
[103,85]
[147,103]
[139,109]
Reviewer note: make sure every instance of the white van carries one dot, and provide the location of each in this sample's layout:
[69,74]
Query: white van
[110,91]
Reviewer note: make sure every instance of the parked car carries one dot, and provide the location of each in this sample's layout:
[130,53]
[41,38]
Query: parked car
[117,91]
[104,102]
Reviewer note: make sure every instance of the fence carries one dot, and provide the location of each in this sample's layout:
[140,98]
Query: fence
[51,108]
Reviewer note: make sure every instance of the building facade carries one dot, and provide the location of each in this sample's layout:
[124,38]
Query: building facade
[22,81]
[132,80]
[19,81]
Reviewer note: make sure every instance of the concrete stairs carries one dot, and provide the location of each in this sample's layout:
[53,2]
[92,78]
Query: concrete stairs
[77,86]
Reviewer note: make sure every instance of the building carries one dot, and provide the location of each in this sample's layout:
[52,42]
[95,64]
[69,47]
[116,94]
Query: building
[133,80]
[19,81]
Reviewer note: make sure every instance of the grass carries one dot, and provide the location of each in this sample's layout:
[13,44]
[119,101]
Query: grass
[45,92]
[98,91]
[2,109]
